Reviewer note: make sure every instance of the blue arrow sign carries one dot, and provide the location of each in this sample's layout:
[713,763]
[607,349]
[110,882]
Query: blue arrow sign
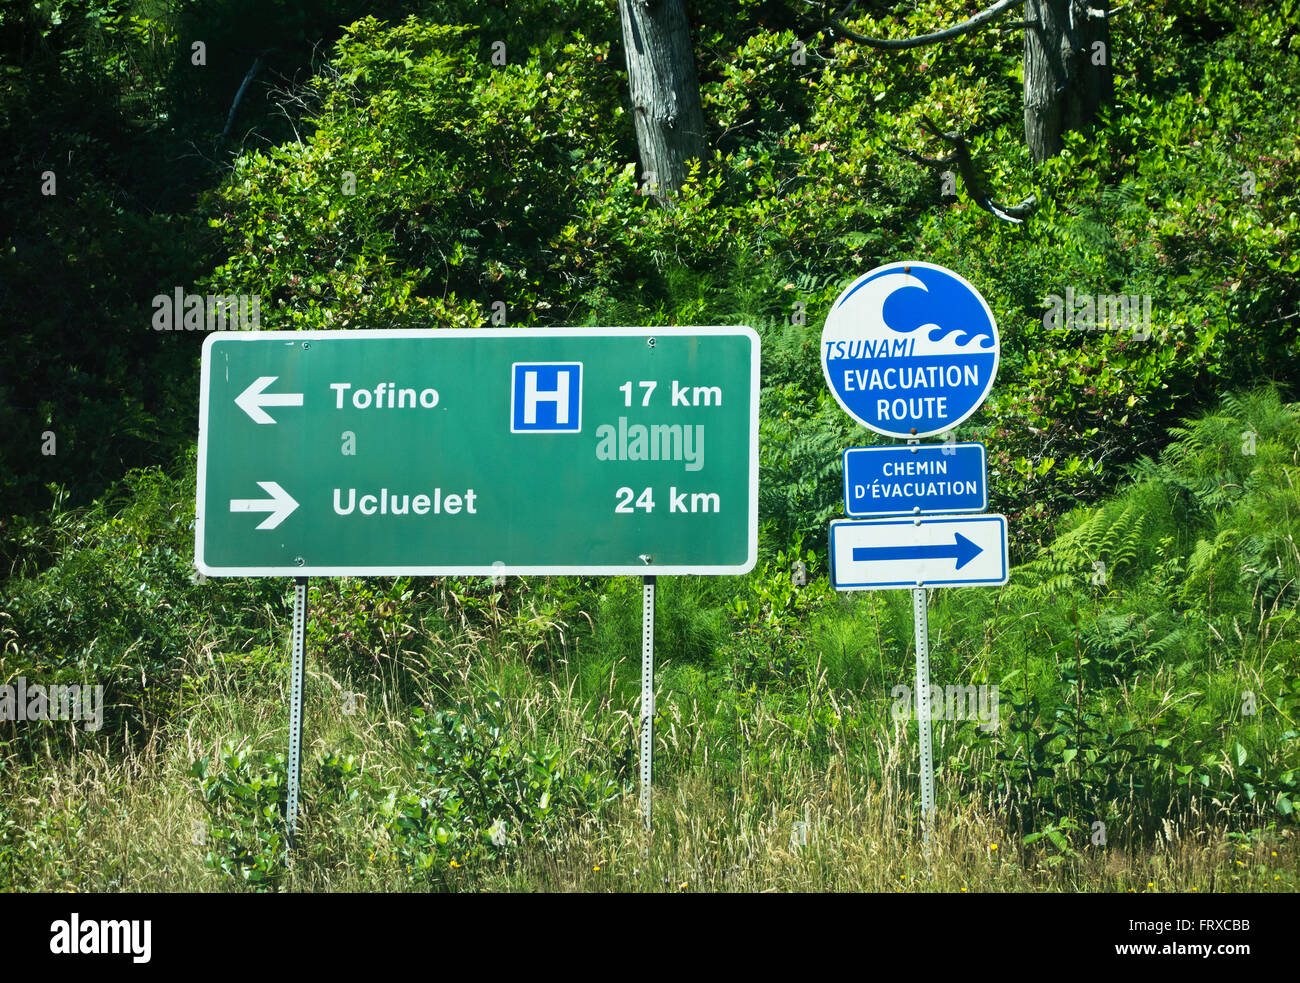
[962,549]
[930,551]
[915,480]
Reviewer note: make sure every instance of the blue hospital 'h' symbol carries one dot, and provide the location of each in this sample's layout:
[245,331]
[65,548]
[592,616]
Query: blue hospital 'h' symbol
[546,397]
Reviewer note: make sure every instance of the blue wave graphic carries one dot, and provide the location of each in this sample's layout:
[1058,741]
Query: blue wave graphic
[911,308]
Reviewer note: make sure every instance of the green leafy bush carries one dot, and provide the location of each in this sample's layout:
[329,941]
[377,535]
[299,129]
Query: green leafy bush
[479,795]
[245,800]
[108,595]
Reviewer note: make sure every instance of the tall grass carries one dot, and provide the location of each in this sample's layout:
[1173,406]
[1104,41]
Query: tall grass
[132,821]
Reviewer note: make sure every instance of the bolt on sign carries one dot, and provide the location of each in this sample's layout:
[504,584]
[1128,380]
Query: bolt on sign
[494,452]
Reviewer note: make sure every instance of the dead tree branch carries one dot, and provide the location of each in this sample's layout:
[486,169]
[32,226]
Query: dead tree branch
[258,62]
[965,27]
[970,176]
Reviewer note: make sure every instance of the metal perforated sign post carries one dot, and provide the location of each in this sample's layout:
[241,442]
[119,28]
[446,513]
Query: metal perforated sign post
[923,709]
[295,704]
[647,692]
[915,553]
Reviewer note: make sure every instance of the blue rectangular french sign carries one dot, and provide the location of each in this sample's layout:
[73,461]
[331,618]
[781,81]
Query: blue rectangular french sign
[915,479]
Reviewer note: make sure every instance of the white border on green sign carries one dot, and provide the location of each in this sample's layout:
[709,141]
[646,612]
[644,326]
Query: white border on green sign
[487,570]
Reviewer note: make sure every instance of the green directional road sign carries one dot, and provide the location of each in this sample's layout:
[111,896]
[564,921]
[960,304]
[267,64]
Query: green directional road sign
[511,451]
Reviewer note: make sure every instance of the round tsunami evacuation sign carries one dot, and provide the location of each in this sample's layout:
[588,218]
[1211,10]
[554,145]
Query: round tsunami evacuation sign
[910,349]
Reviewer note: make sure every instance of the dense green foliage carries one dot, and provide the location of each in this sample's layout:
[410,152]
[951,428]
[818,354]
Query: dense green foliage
[475,183]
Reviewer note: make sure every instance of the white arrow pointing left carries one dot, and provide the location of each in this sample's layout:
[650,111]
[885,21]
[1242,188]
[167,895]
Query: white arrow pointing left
[252,399]
[281,505]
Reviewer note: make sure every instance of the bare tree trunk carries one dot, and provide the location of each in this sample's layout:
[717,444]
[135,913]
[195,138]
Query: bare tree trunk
[1067,69]
[665,91]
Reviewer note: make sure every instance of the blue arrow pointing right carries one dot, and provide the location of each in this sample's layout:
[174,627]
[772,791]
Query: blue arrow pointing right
[962,549]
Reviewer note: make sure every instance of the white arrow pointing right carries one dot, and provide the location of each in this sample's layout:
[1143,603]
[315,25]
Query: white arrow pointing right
[252,399]
[281,505]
